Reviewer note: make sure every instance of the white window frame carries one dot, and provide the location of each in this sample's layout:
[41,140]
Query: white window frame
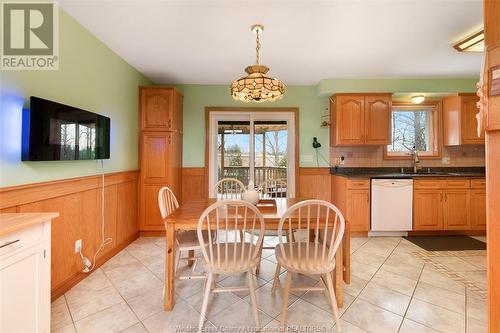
[252,117]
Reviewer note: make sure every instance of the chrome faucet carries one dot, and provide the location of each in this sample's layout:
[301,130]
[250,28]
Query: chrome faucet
[415,160]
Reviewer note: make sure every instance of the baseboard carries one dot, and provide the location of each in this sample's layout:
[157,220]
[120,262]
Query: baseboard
[152,233]
[448,233]
[73,281]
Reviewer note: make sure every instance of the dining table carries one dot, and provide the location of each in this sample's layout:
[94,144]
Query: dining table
[186,217]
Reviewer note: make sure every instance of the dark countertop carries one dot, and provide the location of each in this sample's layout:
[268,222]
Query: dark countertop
[394,173]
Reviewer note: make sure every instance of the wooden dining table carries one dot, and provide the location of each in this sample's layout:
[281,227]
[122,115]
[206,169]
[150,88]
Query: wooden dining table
[186,218]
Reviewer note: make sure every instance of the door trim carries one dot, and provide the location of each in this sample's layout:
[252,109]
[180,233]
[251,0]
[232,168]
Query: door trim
[210,109]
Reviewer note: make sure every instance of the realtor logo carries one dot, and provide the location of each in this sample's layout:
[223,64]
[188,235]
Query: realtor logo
[29,36]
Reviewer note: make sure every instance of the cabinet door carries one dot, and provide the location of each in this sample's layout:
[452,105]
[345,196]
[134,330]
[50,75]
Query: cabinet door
[349,125]
[378,119]
[156,109]
[25,285]
[177,112]
[469,123]
[427,210]
[175,165]
[456,210]
[358,209]
[478,209]
[155,156]
[150,211]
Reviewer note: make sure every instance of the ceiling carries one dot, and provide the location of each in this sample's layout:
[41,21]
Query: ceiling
[210,42]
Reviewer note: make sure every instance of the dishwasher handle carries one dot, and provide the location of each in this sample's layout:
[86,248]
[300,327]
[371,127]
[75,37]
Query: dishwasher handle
[393,183]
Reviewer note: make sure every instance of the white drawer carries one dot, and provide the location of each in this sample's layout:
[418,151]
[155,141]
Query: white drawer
[21,239]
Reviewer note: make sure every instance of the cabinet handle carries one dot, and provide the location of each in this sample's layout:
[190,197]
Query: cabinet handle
[440,196]
[9,243]
[169,138]
[169,123]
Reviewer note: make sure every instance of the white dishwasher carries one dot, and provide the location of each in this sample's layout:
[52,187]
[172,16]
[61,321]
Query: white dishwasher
[391,207]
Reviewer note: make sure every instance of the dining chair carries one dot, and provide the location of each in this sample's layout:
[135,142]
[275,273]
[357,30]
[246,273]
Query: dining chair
[271,189]
[316,257]
[230,254]
[185,241]
[229,189]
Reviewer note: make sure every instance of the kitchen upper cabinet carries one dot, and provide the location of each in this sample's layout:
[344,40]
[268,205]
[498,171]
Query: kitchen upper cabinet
[349,119]
[160,109]
[358,209]
[378,119]
[427,210]
[459,120]
[456,210]
[359,119]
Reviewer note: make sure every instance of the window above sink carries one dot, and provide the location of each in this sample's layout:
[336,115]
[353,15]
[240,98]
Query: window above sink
[414,126]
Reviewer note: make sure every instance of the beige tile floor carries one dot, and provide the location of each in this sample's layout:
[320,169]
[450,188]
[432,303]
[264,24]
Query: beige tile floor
[391,291]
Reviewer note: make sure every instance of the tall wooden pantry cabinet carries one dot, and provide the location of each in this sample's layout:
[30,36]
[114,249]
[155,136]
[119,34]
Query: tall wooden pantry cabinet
[160,151]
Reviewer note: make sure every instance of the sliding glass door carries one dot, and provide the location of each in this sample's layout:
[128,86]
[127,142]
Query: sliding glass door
[252,147]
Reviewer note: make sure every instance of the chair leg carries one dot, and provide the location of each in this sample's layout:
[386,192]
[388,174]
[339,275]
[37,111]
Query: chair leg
[177,259]
[276,280]
[253,298]
[257,269]
[333,301]
[284,299]
[205,301]
[194,265]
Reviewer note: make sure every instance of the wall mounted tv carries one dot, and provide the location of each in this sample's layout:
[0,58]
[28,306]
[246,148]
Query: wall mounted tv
[54,131]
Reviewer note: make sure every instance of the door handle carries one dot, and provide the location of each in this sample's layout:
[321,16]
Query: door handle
[9,243]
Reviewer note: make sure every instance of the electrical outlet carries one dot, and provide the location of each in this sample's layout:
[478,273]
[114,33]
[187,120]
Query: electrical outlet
[445,160]
[78,246]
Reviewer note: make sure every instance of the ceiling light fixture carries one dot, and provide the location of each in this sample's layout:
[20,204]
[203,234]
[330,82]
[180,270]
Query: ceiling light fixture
[256,86]
[417,99]
[474,43]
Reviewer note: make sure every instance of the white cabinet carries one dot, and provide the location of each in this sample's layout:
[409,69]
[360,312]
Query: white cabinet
[25,279]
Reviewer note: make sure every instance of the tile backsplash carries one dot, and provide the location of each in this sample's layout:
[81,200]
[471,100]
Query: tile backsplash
[372,156]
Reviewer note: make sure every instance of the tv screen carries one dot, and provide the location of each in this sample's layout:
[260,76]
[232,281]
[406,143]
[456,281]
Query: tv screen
[54,131]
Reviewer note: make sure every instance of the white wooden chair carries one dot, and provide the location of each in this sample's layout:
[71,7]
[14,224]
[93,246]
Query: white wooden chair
[229,189]
[231,254]
[185,241]
[273,188]
[310,257]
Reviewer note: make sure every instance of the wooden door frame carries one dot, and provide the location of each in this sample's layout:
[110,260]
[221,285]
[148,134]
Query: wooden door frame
[294,110]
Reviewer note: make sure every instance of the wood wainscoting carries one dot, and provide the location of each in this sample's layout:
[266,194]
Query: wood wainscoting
[313,183]
[194,184]
[78,201]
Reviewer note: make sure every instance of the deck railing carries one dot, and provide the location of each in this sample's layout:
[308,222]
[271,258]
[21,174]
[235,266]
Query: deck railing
[261,173]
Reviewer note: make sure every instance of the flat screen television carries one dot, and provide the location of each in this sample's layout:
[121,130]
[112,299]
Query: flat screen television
[54,132]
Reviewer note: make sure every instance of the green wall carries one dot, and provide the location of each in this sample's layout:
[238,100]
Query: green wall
[197,97]
[312,102]
[91,77]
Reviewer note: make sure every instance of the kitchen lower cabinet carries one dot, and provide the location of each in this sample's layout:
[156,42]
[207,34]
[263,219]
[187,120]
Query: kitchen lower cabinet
[358,209]
[478,209]
[449,204]
[456,210]
[427,210]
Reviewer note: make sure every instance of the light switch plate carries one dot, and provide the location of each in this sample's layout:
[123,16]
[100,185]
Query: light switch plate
[307,158]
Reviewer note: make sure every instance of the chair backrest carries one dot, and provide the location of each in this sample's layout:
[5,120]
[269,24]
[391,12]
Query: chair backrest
[273,188]
[167,201]
[317,217]
[227,220]
[229,189]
